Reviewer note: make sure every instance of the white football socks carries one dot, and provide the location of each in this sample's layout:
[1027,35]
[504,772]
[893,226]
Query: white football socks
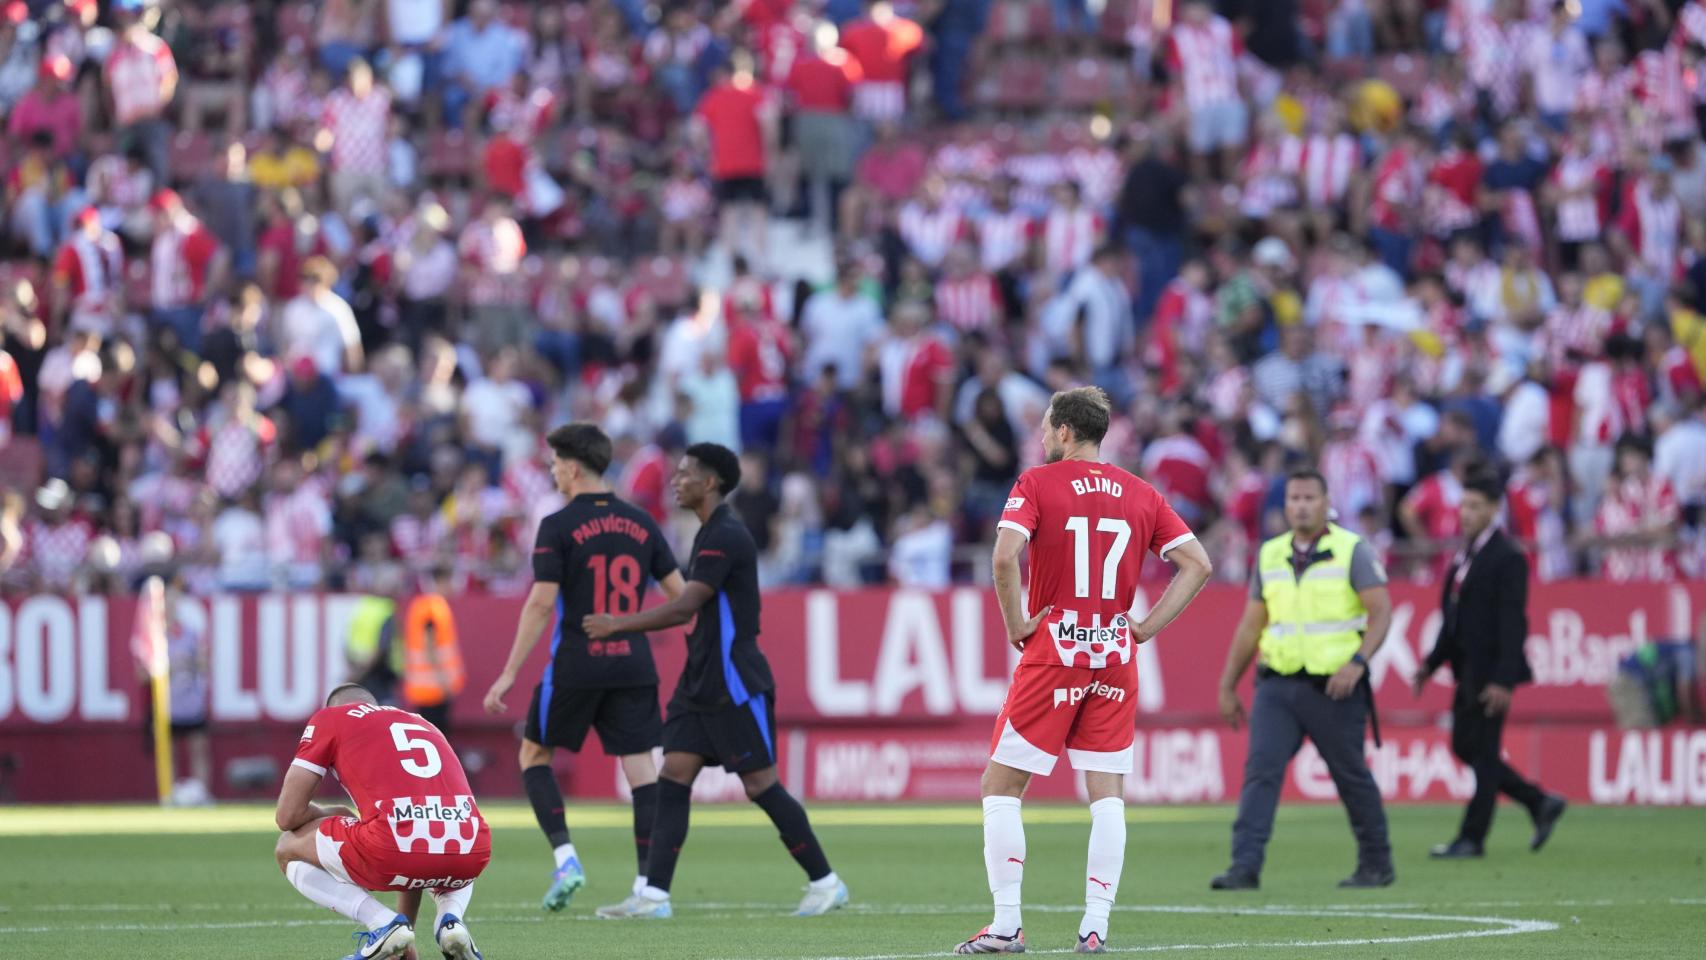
[564,853]
[825,882]
[1004,858]
[653,893]
[334,894]
[1103,866]
[639,884]
[453,902]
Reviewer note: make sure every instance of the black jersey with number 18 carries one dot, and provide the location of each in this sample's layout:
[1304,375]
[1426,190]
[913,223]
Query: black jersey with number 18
[602,553]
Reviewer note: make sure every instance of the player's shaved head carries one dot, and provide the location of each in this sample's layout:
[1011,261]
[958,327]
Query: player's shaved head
[349,693]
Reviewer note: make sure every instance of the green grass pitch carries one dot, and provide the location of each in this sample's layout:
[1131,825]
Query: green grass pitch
[121,883]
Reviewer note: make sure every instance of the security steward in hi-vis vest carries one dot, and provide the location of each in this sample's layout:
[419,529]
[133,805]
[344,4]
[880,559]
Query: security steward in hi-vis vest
[432,661]
[1318,610]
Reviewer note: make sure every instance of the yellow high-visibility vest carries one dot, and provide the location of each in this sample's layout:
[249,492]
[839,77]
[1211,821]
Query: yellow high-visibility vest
[1315,622]
[366,626]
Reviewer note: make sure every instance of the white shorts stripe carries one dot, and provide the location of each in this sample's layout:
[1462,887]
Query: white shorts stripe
[1015,751]
[1117,762]
[330,858]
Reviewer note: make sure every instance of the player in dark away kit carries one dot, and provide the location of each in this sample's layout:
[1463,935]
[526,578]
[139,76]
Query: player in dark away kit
[723,712]
[594,556]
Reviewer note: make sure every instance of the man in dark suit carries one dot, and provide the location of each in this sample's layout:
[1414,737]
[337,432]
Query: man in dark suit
[1484,604]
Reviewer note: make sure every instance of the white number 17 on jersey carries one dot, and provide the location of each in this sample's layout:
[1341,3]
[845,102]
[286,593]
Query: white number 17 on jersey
[1079,527]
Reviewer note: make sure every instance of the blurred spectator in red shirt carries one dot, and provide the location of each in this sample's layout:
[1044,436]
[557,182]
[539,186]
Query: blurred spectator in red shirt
[967,298]
[761,351]
[355,125]
[883,42]
[1176,463]
[1537,507]
[1429,511]
[50,106]
[887,174]
[142,78]
[739,127]
[917,366]
[183,263]
[88,276]
[1202,54]
[1636,525]
[492,249]
[820,90]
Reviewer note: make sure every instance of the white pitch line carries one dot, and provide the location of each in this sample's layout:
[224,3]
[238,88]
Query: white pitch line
[339,921]
[1500,926]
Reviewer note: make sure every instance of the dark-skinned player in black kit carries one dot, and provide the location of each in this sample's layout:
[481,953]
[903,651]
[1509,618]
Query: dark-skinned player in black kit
[723,712]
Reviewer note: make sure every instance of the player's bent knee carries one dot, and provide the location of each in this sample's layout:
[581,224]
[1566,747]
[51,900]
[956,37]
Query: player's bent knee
[286,850]
[682,768]
[533,755]
[1102,786]
[639,769]
[1000,780]
[759,781]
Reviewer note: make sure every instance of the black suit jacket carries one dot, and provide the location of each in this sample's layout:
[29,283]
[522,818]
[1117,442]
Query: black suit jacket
[1481,634]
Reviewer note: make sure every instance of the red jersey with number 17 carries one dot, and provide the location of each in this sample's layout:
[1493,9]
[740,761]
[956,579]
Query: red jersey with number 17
[1089,525]
[399,769]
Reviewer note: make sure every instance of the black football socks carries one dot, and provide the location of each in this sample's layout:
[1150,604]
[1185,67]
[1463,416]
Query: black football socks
[669,832]
[645,813]
[796,830]
[547,800]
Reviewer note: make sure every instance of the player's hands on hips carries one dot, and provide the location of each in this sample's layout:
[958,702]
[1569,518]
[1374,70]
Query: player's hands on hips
[1497,699]
[598,625]
[1018,637]
[1141,634]
[1231,708]
[1344,681]
[495,696]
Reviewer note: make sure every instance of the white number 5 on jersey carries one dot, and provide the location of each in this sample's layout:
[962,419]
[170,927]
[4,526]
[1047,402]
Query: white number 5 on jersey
[430,763]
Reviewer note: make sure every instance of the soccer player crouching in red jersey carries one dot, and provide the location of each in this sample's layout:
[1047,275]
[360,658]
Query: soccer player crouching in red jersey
[1088,525]
[415,826]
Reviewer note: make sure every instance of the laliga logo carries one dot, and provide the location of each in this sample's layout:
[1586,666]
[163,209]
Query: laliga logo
[1095,642]
[431,826]
[1073,695]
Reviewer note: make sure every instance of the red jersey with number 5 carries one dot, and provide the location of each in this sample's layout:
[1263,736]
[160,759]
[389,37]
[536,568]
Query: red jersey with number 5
[400,770]
[1089,525]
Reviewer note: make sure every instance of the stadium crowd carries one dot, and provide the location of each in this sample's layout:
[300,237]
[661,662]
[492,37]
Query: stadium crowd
[293,290]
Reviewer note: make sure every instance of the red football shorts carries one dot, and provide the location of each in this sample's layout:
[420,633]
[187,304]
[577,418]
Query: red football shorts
[365,853]
[1091,714]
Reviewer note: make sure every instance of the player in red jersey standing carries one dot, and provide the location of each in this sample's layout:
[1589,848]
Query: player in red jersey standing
[415,826]
[1088,525]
